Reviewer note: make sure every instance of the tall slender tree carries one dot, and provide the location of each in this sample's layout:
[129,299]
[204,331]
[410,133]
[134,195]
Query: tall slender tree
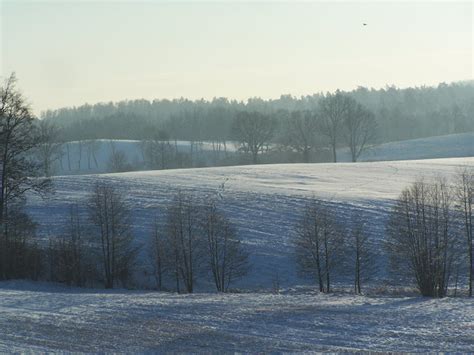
[318,244]
[185,240]
[110,214]
[359,127]
[19,140]
[332,112]
[228,260]
[464,188]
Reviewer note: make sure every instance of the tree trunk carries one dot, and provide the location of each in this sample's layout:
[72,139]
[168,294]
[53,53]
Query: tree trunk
[334,155]
[255,157]
[306,155]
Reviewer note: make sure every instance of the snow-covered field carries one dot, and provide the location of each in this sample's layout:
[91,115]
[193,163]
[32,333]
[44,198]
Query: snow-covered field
[448,146]
[92,157]
[86,158]
[37,317]
[265,202]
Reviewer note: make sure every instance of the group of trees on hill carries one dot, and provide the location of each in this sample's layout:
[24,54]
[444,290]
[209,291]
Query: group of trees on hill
[429,239]
[324,247]
[398,114]
[98,247]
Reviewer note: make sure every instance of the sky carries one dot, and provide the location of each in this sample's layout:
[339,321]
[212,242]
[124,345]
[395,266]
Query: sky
[67,53]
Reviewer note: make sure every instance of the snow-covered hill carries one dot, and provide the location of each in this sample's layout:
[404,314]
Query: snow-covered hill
[92,157]
[449,146]
[265,202]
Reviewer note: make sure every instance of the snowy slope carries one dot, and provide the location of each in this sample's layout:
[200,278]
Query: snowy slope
[84,158]
[81,157]
[42,318]
[265,202]
[449,146]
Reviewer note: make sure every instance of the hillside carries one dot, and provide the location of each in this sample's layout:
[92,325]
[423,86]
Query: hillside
[263,201]
[86,158]
[448,146]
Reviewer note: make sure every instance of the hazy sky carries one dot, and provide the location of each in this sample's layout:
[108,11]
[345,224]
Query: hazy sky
[71,52]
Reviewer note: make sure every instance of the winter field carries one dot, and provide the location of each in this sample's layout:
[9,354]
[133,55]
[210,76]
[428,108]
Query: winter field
[92,157]
[265,203]
[37,317]
[448,146]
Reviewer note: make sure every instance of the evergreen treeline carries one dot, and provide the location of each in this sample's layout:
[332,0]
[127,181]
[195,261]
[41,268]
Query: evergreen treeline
[399,113]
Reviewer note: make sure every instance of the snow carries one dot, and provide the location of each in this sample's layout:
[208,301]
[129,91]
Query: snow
[39,317]
[448,146]
[81,160]
[81,155]
[264,202]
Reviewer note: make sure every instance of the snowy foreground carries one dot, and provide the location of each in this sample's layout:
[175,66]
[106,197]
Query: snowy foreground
[38,317]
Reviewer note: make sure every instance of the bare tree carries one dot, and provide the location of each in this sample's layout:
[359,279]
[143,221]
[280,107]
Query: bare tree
[228,261]
[50,149]
[92,148]
[361,254]
[69,261]
[318,244]
[359,127]
[80,145]
[110,214]
[332,112]
[421,236]
[301,133]
[185,240]
[158,150]
[117,160]
[68,155]
[254,131]
[18,142]
[160,252]
[464,190]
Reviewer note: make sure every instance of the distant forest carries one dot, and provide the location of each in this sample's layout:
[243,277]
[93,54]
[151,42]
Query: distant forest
[399,114]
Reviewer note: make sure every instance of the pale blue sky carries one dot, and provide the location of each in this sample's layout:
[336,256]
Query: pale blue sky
[71,52]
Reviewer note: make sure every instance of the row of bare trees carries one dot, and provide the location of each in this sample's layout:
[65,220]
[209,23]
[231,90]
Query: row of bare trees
[97,243]
[324,247]
[97,246]
[338,121]
[339,118]
[428,238]
[197,240]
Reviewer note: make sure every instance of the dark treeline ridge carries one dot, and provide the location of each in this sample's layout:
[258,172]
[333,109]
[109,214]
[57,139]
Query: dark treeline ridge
[399,113]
